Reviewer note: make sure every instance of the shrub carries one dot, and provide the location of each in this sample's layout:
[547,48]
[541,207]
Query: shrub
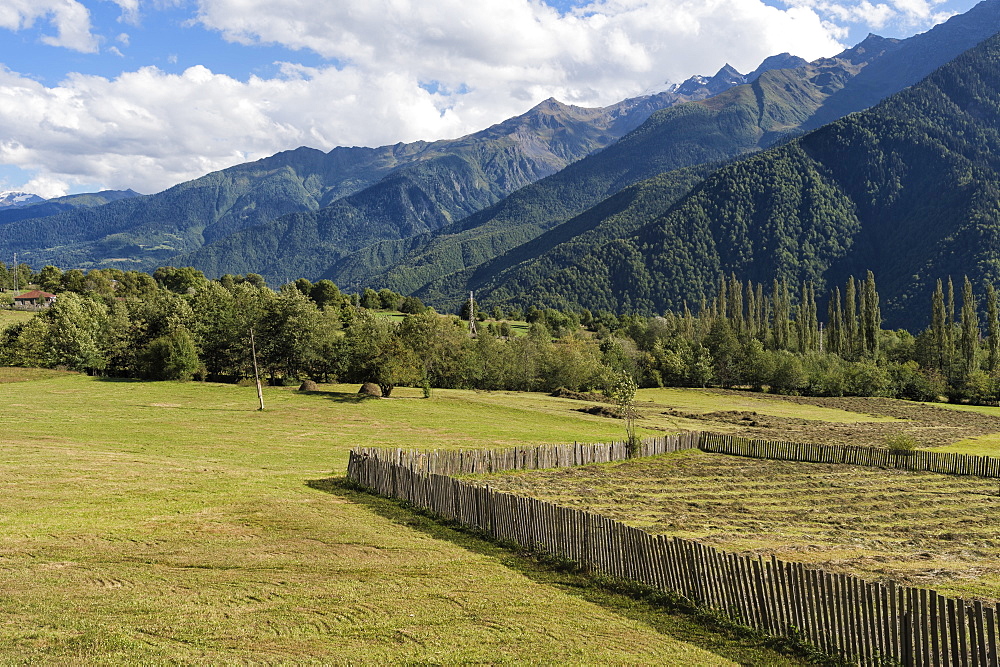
[172,356]
[901,443]
[308,385]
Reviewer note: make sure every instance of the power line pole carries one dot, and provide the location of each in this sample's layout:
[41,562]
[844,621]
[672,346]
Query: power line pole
[15,272]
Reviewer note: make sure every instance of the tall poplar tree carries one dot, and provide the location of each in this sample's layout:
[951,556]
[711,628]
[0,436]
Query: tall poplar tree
[993,327]
[850,319]
[722,307]
[813,318]
[939,323]
[871,317]
[834,323]
[949,332]
[970,330]
[736,304]
[762,314]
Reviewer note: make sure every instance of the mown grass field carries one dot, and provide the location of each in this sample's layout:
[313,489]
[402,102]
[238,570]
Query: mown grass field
[168,522]
[823,420]
[705,401]
[922,529]
[9,317]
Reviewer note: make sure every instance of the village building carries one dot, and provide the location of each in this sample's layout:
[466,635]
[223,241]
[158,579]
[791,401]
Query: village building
[35,299]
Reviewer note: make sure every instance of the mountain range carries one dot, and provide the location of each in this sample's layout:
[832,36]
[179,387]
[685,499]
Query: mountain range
[14,199]
[635,206]
[351,196]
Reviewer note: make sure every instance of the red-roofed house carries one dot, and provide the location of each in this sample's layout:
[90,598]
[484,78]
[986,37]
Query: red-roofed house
[35,298]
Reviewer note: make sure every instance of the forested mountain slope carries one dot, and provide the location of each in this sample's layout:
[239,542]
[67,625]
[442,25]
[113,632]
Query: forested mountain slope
[420,186]
[908,189]
[742,119]
[56,205]
[776,105]
[415,201]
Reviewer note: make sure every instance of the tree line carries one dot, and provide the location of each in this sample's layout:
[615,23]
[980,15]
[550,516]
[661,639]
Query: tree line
[177,324]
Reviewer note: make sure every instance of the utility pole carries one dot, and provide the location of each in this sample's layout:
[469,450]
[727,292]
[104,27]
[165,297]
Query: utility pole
[472,316]
[15,273]
[256,373]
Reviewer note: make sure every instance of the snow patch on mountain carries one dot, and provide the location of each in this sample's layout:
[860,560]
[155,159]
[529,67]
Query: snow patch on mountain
[12,198]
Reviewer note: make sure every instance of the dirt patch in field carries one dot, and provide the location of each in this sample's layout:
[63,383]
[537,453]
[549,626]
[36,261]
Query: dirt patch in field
[929,425]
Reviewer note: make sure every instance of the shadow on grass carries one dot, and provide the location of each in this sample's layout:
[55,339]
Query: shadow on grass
[338,396]
[666,614]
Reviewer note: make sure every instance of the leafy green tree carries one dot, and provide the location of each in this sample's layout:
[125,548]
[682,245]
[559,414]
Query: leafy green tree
[26,344]
[50,279]
[135,284]
[850,344]
[173,356]
[866,378]
[183,280]
[623,390]
[788,376]
[970,331]
[326,294]
[412,305]
[698,365]
[370,299]
[440,344]
[379,355]
[725,349]
[574,363]
[756,365]
[288,334]
[77,331]
[871,317]
[825,375]
[389,300]
[993,328]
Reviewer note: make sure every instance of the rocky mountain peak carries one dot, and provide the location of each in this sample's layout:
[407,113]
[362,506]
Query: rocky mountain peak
[11,199]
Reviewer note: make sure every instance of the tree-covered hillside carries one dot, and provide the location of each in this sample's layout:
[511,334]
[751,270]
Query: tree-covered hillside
[776,105]
[908,189]
[413,188]
[44,209]
[740,120]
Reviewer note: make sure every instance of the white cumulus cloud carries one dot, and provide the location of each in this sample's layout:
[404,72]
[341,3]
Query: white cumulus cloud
[69,18]
[399,70]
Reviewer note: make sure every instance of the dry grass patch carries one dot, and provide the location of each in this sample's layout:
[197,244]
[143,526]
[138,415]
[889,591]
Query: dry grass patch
[921,529]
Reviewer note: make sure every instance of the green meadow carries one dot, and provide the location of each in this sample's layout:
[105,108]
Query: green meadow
[10,317]
[172,522]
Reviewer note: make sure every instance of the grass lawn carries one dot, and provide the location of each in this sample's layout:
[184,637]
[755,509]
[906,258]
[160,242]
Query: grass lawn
[919,528]
[984,445]
[9,317]
[155,522]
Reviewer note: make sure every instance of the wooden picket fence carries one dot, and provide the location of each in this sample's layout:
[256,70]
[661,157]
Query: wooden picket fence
[459,462]
[865,622]
[920,459]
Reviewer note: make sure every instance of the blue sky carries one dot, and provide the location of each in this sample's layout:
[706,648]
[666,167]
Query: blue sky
[147,93]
